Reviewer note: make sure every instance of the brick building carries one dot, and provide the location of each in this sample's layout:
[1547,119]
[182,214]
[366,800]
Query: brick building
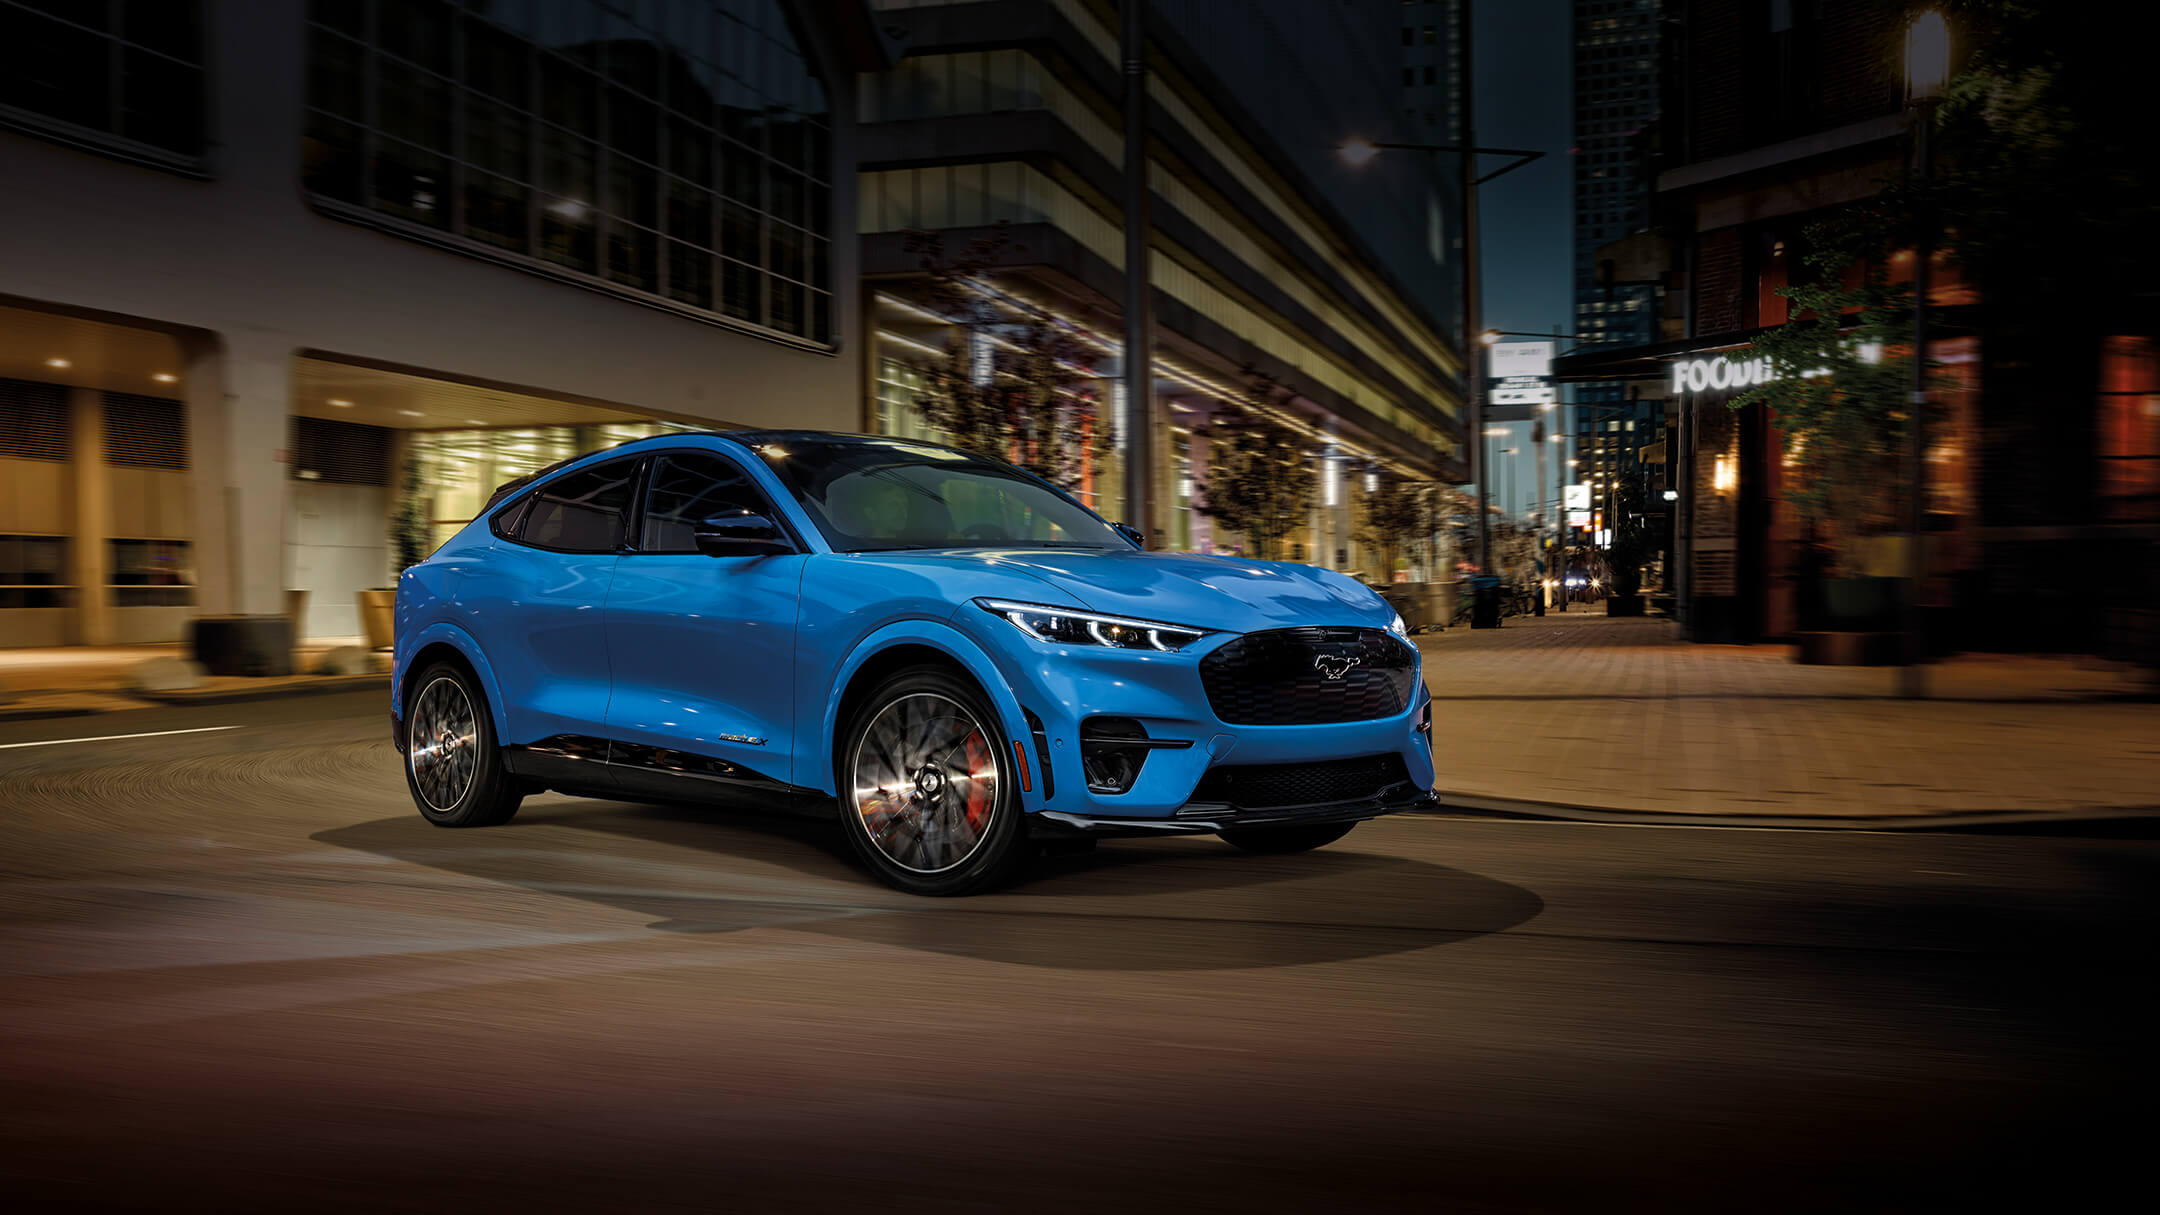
[1774,117]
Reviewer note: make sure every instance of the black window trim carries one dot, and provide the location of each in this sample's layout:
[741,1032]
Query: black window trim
[525,500]
[199,166]
[466,246]
[633,546]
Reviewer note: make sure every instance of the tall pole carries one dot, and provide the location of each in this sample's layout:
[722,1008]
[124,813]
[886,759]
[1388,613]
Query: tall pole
[1473,322]
[1535,506]
[1507,498]
[1560,421]
[1912,677]
[1139,420]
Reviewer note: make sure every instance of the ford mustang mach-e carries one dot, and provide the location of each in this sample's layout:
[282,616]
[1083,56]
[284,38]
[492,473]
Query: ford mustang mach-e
[958,660]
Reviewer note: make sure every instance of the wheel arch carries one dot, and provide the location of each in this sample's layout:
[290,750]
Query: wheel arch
[894,648]
[449,643]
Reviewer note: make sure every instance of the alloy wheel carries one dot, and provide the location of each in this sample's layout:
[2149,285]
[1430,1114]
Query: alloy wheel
[442,743]
[925,782]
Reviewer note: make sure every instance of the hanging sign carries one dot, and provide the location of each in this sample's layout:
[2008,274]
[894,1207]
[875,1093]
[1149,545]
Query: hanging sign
[1521,373]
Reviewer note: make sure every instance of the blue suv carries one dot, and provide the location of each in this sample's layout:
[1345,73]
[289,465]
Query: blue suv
[955,658]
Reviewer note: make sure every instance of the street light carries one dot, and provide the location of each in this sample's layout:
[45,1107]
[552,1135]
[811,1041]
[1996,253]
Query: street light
[1360,151]
[1493,335]
[1927,56]
[1927,66]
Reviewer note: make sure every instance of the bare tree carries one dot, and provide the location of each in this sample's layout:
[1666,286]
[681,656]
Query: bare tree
[1260,478]
[1399,513]
[1012,382]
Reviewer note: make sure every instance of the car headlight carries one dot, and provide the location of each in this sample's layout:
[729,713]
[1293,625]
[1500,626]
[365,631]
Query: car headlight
[1396,626]
[1064,626]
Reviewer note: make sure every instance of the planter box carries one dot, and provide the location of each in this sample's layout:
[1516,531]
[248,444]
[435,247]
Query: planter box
[1624,605]
[243,645]
[1827,649]
[1862,605]
[378,617]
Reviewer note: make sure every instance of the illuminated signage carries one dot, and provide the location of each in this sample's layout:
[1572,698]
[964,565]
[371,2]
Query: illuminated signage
[1577,497]
[1720,374]
[1520,373]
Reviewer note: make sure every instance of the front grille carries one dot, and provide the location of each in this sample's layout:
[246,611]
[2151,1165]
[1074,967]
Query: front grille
[1298,677]
[1264,786]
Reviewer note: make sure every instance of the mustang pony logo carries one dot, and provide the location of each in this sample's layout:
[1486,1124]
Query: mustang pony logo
[1333,667]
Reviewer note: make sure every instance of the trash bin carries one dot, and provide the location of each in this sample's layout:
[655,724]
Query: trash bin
[1485,602]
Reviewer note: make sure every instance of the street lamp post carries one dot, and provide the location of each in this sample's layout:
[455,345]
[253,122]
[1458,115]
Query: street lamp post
[1507,496]
[1485,612]
[1927,65]
[1560,515]
[1139,420]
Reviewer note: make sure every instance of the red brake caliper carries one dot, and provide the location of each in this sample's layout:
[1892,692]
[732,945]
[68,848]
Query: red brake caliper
[977,754]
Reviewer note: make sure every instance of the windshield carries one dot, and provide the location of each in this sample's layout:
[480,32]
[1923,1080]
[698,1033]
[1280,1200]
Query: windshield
[875,496]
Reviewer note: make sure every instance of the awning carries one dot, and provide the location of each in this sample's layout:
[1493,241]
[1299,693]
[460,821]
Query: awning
[1652,361]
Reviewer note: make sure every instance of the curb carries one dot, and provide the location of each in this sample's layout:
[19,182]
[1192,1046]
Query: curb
[313,685]
[35,713]
[1469,805]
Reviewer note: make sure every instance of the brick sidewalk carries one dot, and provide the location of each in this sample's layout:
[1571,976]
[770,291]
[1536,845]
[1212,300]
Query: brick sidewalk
[1579,710]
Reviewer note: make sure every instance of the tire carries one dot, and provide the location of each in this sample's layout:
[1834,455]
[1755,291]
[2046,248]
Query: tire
[927,821]
[1278,841]
[452,766]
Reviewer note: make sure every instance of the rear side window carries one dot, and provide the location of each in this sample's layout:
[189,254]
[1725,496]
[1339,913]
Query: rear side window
[584,512]
[688,488]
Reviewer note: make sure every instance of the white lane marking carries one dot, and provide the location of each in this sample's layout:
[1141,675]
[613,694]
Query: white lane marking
[55,742]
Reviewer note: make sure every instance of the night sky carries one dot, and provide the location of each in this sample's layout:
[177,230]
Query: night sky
[1523,91]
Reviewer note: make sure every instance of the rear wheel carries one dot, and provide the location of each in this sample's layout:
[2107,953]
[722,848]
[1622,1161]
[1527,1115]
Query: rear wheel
[452,766]
[927,795]
[1280,840]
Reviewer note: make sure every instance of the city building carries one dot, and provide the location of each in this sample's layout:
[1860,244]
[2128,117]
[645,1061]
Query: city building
[1616,111]
[1786,114]
[1271,257]
[270,264]
[1432,69]
[1791,113]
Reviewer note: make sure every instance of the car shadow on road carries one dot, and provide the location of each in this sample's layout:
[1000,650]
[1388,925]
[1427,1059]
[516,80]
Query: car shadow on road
[1189,904]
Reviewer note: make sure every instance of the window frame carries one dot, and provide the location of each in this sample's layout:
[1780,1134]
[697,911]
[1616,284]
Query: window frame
[197,166]
[813,175]
[635,546]
[522,507]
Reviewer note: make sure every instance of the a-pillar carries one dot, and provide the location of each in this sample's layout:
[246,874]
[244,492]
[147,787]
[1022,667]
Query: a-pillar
[239,401]
[88,551]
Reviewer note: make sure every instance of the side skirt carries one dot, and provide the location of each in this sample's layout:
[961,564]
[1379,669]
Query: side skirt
[597,767]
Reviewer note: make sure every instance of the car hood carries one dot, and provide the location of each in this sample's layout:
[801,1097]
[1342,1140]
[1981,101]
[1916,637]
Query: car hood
[1227,593]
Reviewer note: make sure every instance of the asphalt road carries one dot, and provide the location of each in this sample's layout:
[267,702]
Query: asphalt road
[238,971]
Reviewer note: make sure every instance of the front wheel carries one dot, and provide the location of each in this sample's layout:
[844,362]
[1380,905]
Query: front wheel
[927,794]
[1276,841]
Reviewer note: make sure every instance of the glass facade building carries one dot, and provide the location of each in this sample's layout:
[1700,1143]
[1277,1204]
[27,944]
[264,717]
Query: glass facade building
[1257,259]
[122,76]
[679,152]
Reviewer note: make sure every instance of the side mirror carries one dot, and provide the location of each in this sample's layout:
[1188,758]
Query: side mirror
[1131,533]
[740,534]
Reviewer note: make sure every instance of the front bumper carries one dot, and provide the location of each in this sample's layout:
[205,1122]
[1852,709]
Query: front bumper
[1064,687]
[1203,818]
